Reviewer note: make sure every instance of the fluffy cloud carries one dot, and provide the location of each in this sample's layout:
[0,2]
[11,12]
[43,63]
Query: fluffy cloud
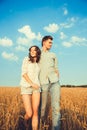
[9,56]
[52,28]
[67,44]
[65,11]
[75,40]
[62,35]
[20,48]
[23,40]
[28,37]
[6,42]
[39,37]
[66,25]
[26,30]
[70,22]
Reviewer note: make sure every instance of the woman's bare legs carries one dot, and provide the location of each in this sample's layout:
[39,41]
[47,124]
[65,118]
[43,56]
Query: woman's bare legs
[27,105]
[35,106]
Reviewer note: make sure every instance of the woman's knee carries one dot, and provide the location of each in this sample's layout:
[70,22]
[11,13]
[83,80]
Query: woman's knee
[35,112]
[29,114]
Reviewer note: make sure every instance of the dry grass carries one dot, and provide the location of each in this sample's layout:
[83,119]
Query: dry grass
[73,109]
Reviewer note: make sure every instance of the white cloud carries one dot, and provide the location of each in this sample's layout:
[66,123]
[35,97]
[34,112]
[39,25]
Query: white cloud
[29,36]
[70,22]
[65,11]
[6,42]
[23,40]
[9,56]
[67,44]
[72,19]
[26,30]
[75,39]
[52,28]
[39,36]
[62,35]
[20,48]
[66,25]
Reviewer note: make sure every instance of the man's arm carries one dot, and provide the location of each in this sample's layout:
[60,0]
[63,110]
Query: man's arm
[56,66]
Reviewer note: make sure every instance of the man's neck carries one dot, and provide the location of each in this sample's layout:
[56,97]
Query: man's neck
[44,49]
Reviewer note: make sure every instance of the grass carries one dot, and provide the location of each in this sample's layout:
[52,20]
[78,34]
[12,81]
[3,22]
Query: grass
[73,109]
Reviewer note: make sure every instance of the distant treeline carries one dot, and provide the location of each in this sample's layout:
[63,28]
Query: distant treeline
[74,86]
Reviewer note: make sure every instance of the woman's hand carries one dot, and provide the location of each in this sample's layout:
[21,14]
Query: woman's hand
[36,86]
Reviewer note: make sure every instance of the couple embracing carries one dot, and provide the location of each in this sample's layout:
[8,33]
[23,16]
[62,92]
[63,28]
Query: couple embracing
[39,75]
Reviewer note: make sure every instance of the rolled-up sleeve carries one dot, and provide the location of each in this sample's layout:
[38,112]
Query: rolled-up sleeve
[24,65]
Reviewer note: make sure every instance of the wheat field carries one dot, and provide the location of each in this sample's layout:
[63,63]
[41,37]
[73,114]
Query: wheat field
[73,109]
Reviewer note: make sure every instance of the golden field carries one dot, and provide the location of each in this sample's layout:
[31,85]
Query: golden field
[73,109]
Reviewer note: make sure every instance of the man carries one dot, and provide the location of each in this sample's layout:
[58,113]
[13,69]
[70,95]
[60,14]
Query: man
[49,79]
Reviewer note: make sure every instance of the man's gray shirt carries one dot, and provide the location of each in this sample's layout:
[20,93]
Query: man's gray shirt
[48,67]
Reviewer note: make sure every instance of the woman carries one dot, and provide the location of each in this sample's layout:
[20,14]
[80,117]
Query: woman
[30,86]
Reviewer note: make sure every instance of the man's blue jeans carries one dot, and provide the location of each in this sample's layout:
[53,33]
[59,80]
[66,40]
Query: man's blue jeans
[54,89]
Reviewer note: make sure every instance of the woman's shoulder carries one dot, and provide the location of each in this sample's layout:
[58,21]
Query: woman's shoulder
[26,59]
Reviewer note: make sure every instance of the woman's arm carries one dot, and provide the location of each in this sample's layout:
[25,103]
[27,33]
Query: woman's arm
[24,72]
[26,77]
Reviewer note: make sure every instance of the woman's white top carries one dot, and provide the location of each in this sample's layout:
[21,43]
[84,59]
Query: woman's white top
[32,70]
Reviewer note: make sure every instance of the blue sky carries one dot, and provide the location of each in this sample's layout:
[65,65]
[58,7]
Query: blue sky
[23,23]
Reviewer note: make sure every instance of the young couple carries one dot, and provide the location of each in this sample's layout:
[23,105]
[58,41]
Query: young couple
[40,74]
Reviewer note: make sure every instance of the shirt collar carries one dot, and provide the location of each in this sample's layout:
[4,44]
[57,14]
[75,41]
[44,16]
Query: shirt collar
[44,51]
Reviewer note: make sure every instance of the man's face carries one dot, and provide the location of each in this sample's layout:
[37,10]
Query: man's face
[47,44]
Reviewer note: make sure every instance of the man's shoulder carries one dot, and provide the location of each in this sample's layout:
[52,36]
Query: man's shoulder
[53,54]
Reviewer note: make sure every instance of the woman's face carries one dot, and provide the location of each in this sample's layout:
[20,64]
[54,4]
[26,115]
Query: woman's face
[33,52]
